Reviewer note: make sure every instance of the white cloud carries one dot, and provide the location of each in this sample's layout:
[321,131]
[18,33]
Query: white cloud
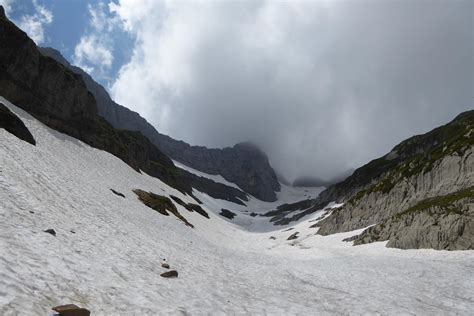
[94,52]
[34,24]
[91,50]
[321,86]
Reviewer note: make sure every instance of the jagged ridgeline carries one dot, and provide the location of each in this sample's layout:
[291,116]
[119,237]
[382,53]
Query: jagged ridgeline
[420,195]
[59,98]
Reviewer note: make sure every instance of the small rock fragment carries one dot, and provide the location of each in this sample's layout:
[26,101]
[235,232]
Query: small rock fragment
[170,274]
[293,236]
[165,265]
[272,237]
[117,193]
[50,231]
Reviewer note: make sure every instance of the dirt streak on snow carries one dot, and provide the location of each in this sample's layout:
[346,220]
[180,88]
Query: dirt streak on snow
[107,252]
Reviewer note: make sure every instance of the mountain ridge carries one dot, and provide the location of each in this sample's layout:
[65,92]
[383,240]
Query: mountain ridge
[246,166]
[386,191]
[60,99]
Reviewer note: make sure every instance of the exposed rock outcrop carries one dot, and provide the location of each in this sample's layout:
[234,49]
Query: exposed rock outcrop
[372,206]
[12,124]
[429,224]
[59,98]
[190,206]
[161,204]
[244,164]
[291,212]
[423,170]
[227,214]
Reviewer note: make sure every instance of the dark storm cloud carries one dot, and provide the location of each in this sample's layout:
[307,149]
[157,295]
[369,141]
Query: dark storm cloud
[321,87]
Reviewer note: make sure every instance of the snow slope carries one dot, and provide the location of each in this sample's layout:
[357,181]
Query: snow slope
[107,252]
[287,194]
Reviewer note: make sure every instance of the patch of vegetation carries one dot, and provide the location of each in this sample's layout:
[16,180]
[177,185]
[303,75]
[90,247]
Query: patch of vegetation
[161,204]
[444,202]
[413,156]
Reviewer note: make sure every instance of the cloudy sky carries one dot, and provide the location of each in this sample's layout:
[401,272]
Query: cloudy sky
[321,86]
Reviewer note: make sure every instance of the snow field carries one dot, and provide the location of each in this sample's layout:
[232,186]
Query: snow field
[107,252]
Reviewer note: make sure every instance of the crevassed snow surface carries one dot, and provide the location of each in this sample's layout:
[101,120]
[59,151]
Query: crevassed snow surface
[107,252]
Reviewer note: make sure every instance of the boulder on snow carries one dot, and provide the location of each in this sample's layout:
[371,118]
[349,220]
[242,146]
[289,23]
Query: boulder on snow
[165,265]
[170,274]
[293,236]
[51,231]
[71,310]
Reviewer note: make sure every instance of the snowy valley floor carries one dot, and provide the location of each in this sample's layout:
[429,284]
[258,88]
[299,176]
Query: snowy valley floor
[107,252]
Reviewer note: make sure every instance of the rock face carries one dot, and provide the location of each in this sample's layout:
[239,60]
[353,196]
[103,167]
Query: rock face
[59,98]
[227,214]
[12,124]
[442,227]
[244,164]
[417,196]
[71,310]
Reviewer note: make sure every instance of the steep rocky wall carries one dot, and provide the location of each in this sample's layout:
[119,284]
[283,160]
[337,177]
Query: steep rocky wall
[450,174]
[243,164]
[59,98]
[449,226]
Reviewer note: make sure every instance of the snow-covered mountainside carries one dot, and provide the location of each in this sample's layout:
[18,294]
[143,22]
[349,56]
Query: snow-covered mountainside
[243,164]
[107,251]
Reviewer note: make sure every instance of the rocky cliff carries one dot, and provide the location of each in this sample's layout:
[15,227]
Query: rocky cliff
[418,196]
[60,99]
[244,164]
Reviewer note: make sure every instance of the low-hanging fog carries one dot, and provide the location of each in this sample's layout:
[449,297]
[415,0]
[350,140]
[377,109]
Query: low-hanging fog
[321,87]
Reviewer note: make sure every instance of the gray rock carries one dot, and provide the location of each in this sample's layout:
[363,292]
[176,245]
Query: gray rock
[170,274]
[51,231]
[449,227]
